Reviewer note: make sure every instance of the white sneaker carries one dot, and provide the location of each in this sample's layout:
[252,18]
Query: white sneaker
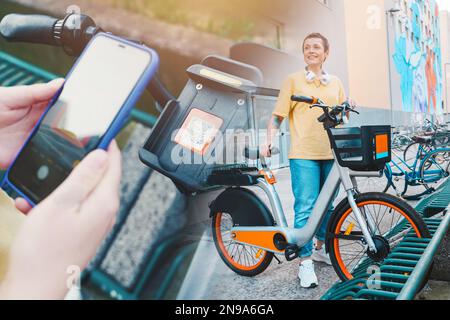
[321,256]
[306,274]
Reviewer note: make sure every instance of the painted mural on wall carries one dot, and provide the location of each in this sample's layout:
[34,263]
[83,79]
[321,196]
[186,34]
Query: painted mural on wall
[417,56]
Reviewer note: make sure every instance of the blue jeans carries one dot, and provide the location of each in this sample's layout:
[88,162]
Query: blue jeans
[308,178]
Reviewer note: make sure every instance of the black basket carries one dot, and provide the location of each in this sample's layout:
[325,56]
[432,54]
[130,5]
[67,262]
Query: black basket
[362,149]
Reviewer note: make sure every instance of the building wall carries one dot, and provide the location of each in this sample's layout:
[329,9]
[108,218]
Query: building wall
[298,18]
[416,57]
[445,46]
[367,52]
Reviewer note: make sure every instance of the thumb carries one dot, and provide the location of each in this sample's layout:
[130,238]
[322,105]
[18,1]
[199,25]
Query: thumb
[81,182]
[25,96]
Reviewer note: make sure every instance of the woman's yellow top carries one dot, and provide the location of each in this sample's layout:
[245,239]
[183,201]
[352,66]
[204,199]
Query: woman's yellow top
[309,140]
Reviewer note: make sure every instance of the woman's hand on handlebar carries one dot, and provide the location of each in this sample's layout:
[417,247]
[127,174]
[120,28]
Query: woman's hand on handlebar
[352,103]
[266,150]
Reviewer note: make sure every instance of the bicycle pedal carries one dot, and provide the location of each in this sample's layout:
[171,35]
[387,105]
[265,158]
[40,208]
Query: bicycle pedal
[292,252]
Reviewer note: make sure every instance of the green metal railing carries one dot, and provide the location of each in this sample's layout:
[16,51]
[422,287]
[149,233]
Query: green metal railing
[412,286]
[166,250]
[405,270]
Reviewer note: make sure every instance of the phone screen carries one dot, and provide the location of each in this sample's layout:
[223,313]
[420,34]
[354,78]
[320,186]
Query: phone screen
[93,95]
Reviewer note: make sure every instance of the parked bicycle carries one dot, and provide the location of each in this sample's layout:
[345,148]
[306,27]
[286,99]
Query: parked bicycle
[363,228]
[425,162]
[400,140]
[433,137]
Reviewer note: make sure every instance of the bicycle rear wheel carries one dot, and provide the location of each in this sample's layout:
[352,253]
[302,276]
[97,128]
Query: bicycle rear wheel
[240,207]
[244,260]
[394,220]
[435,168]
[415,151]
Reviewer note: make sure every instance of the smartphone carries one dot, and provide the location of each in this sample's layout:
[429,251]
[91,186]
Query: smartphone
[86,114]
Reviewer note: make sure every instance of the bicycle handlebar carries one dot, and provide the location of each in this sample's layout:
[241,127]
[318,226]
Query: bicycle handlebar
[330,117]
[304,99]
[72,33]
[32,29]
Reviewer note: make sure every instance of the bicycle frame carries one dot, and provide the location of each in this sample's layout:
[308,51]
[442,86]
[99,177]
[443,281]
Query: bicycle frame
[412,175]
[412,168]
[262,237]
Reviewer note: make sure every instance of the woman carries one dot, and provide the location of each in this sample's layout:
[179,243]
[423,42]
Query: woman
[310,157]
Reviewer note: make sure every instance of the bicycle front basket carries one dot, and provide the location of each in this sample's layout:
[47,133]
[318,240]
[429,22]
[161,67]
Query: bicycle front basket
[362,149]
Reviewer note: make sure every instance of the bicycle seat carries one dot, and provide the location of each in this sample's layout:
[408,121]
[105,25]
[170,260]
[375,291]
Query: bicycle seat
[239,177]
[422,139]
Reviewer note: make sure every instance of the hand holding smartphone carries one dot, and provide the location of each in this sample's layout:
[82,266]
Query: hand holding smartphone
[86,114]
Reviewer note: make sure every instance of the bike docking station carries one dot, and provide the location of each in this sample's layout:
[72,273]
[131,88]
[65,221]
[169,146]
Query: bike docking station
[207,130]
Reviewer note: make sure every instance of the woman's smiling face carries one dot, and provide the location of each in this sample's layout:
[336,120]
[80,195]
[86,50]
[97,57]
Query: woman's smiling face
[314,51]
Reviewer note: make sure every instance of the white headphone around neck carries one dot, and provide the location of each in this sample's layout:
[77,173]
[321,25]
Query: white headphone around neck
[311,76]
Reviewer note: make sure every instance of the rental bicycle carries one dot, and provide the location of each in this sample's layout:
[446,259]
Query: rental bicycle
[364,226]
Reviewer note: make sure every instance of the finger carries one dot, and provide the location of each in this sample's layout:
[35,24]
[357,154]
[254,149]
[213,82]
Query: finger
[25,96]
[81,182]
[22,205]
[105,197]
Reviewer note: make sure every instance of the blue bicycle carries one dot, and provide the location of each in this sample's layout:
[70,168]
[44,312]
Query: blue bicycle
[429,169]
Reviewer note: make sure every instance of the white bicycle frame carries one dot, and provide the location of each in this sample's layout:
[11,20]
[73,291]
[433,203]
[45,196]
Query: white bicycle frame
[300,237]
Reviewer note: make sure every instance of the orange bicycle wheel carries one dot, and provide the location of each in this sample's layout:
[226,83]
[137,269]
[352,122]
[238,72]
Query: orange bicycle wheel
[394,219]
[244,260]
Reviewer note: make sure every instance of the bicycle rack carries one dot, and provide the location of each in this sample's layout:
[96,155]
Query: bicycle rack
[406,267]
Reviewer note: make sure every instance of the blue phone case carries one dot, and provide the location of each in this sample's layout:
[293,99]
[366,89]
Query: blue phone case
[117,123]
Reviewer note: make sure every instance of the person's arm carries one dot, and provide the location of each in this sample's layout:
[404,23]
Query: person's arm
[343,98]
[282,110]
[272,131]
